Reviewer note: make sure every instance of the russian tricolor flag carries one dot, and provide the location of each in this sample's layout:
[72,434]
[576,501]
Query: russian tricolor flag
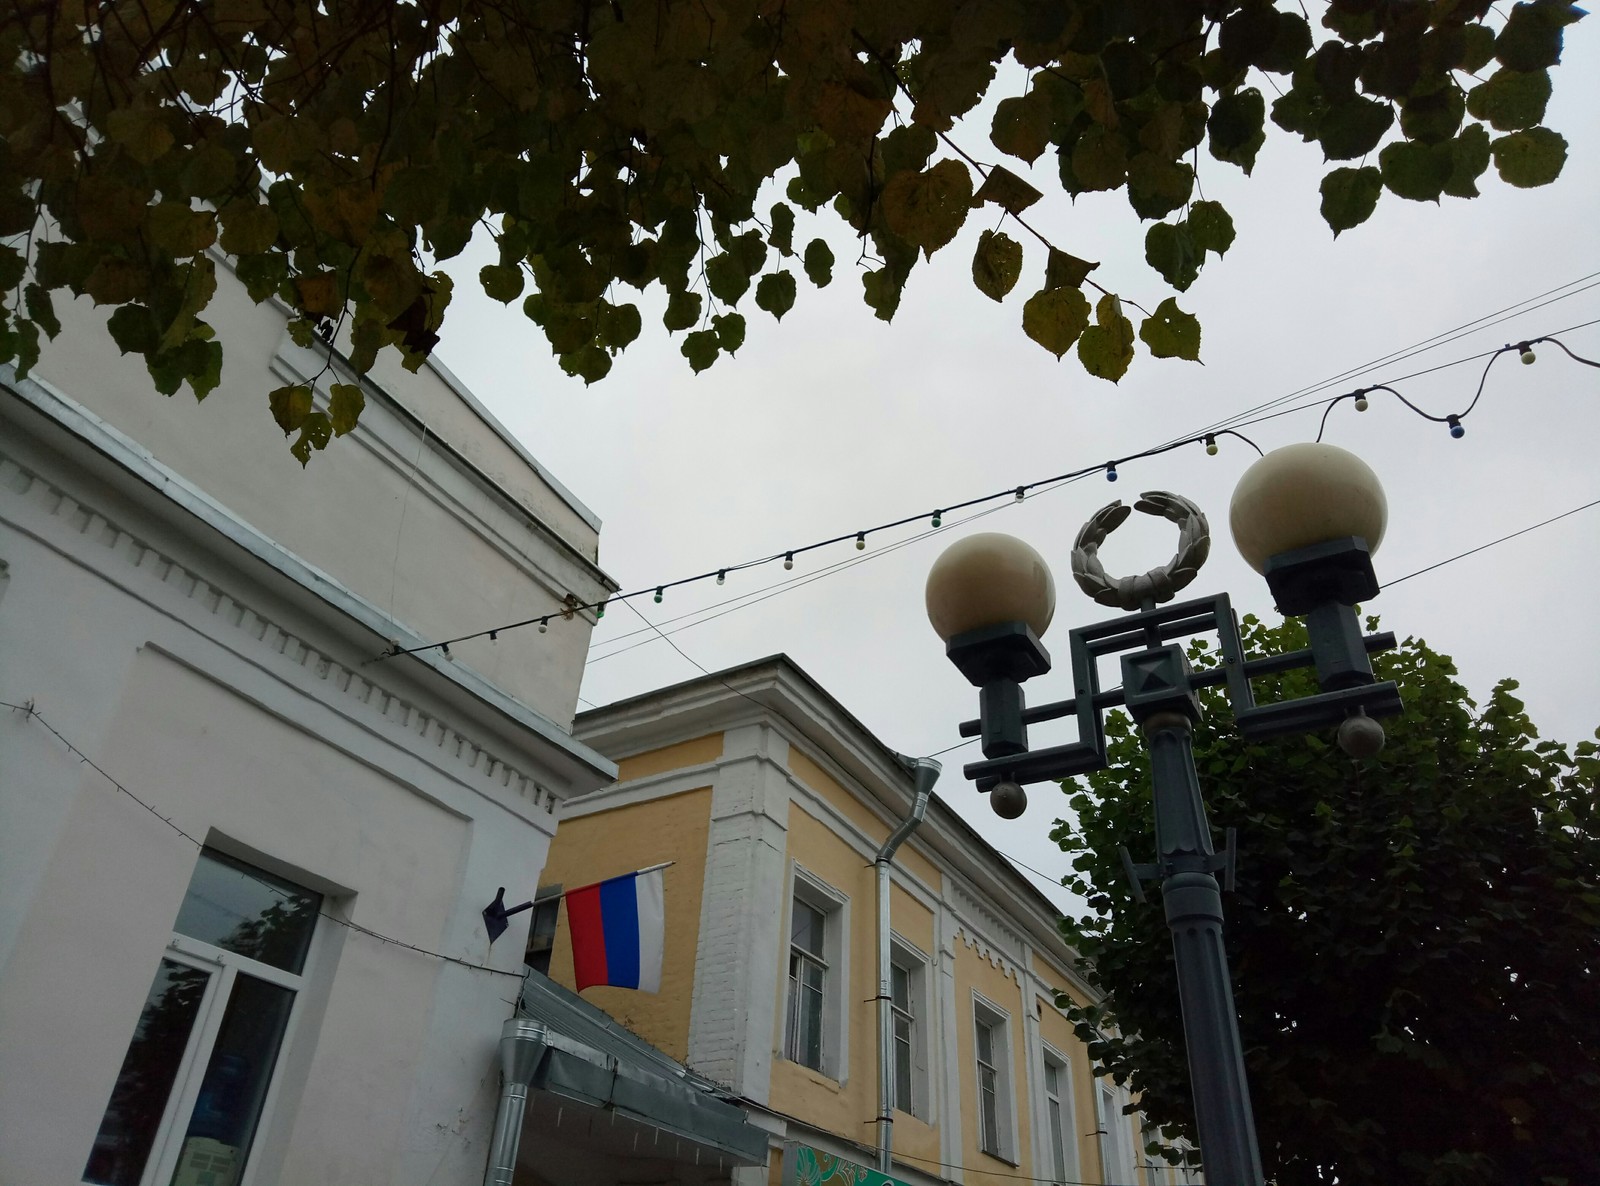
[618,931]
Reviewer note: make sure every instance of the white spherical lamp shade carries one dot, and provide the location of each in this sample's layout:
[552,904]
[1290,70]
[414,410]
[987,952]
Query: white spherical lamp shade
[986,579]
[1302,495]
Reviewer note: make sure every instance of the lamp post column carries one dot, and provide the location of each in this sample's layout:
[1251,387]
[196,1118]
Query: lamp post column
[1186,859]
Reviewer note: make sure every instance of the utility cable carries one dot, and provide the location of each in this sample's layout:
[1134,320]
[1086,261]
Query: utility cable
[1109,468]
[1490,544]
[29,711]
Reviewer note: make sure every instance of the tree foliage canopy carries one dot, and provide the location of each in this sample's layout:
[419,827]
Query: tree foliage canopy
[339,149]
[1415,941]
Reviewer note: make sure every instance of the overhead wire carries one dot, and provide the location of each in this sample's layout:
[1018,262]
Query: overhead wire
[31,712]
[1109,468]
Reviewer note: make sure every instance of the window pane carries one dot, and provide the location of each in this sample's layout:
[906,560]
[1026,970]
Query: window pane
[808,926]
[1052,1079]
[811,1026]
[985,1044]
[990,1111]
[240,909]
[235,1085]
[900,987]
[1058,1148]
[902,1065]
[139,1096]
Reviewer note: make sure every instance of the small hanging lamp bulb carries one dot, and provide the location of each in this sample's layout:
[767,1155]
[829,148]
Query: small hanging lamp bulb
[544,625]
[722,576]
[658,594]
[444,649]
[938,518]
[1111,471]
[1362,403]
[599,611]
[788,561]
[861,541]
[1211,446]
[1456,430]
[1021,493]
[494,636]
[1528,355]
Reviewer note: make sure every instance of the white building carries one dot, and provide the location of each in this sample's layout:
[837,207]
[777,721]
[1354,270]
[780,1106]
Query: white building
[218,802]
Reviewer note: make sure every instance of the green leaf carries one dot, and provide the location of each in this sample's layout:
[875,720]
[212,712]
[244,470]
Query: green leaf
[1006,190]
[1210,227]
[781,236]
[881,290]
[42,310]
[1530,158]
[1434,117]
[1237,127]
[1171,333]
[1157,186]
[248,227]
[1099,161]
[141,131]
[996,264]
[1021,126]
[927,209]
[290,406]
[1106,348]
[729,328]
[315,433]
[1055,317]
[775,292]
[1349,196]
[819,263]
[1170,249]
[619,326]
[1415,171]
[683,311]
[345,401]
[700,348]
[1065,270]
[501,282]
[174,227]
[1510,99]
[133,329]
[1531,39]
[726,277]
[590,363]
[1469,157]
[1353,128]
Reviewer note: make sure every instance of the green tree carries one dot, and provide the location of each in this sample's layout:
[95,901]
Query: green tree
[1415,940]
[339,150]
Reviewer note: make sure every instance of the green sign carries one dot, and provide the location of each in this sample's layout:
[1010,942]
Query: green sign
[805,1166]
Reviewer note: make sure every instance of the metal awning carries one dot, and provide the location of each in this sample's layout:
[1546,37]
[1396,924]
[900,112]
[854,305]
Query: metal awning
[583,1056]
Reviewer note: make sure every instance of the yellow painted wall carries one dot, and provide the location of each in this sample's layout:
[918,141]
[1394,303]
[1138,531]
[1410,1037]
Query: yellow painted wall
[591,848]
[857,812]
[849,1107]
[1057,1031]
[696,752]
[974,972]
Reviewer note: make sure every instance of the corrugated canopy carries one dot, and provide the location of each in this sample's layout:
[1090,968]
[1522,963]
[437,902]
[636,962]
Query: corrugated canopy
[591,1060]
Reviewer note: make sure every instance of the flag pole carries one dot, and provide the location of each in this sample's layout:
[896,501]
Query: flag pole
[634,873]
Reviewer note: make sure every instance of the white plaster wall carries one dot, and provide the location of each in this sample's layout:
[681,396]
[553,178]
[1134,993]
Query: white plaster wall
[189,681]
[445,526]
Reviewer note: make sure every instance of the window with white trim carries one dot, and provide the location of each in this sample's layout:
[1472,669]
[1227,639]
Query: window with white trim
[908,1009]
[1060,1136]
[1116,1156]
[195,1082]
[992,1047]
[813,1033]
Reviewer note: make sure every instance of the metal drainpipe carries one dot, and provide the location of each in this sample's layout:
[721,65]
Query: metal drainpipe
[926,773]
[522,1045]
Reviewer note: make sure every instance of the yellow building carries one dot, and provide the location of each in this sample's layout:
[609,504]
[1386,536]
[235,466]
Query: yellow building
[773,801]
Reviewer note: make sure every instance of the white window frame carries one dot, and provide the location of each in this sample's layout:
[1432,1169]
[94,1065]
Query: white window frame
[1063,1098]
[1116,1156]
[986,1013]
[223,969]
[834,907]
[915,964]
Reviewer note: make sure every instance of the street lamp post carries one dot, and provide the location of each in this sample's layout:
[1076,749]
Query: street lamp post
[1308,518]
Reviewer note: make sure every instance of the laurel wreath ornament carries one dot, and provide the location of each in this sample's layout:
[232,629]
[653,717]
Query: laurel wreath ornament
[1161,583]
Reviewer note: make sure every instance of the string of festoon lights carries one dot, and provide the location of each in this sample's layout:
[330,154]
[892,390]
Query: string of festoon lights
[1210,440]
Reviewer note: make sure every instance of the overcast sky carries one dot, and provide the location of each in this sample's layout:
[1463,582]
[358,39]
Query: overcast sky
[832,421]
